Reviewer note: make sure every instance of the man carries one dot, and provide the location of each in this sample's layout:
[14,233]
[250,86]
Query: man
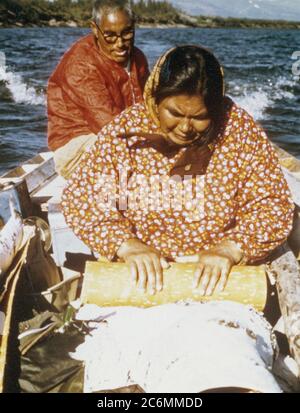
[98,77]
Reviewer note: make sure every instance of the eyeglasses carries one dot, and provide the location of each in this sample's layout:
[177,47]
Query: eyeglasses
[113,37]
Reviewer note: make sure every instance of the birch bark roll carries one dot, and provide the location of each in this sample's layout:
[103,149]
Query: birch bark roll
[109,284]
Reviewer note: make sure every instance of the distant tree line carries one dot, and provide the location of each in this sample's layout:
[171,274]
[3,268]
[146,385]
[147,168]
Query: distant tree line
[43,12]
[39,11]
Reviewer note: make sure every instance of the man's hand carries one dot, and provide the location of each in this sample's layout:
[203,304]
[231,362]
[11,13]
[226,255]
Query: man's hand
[146,265]
[213,266]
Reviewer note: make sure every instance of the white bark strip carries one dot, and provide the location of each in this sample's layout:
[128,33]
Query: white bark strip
[178,348]
[11,237]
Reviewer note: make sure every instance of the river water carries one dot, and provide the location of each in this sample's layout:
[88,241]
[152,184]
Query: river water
[258,72]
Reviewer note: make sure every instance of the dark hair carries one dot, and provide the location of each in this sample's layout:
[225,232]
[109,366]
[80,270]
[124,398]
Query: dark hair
[194,70]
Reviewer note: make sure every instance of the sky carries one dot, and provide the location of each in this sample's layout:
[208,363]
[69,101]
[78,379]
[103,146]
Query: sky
[258,9]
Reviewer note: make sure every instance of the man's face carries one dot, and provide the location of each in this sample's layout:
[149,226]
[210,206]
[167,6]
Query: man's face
[115,36]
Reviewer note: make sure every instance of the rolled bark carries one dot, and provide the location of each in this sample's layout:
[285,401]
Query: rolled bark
[10,241]
[109,284]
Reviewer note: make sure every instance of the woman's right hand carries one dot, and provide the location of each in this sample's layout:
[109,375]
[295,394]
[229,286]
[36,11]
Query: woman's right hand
[146,265]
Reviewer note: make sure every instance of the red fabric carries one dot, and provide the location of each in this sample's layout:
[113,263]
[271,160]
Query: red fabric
[87,90]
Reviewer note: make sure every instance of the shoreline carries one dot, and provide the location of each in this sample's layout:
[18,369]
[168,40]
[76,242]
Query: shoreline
[158,14]
[73,24]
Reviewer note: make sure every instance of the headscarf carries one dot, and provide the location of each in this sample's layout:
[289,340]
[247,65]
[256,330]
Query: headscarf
[197,155]
[151,86]
[153,81]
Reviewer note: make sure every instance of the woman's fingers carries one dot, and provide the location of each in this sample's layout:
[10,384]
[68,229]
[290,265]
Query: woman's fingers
[206,274]
[155,273]
[142,275]
[133,273]
[151,275]
[215,276]
[159,272]
[147,272]
[223,278]
[197,275]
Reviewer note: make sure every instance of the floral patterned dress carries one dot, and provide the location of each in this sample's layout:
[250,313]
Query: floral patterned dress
[242,196]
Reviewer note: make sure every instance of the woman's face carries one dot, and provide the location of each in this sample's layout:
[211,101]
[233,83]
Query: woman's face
[183,118]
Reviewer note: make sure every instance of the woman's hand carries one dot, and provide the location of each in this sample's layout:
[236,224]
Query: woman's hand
[146,265]
[214,266]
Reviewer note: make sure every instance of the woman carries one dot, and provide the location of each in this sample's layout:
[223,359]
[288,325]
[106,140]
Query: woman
[240,208]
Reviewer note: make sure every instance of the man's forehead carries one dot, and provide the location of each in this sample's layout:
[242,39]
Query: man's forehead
[115,20]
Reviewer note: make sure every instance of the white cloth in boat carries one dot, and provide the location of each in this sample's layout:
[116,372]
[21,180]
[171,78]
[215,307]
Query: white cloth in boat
[183,347]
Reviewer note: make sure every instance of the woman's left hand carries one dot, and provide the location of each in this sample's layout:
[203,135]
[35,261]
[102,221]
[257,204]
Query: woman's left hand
[213,266]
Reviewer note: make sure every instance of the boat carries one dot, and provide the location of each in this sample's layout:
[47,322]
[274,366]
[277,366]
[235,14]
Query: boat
[32,192]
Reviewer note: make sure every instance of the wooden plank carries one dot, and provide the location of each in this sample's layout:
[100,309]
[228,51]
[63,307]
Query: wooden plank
[109,284]
[64,240]
[50,193]
[286,270]
[35,171]
[51,189]
[294,185]
[18,195]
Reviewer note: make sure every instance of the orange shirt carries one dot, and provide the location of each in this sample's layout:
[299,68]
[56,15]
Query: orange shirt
[87,90]
[243,195]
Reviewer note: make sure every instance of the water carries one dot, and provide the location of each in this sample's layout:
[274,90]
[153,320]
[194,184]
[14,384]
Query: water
[258,73]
